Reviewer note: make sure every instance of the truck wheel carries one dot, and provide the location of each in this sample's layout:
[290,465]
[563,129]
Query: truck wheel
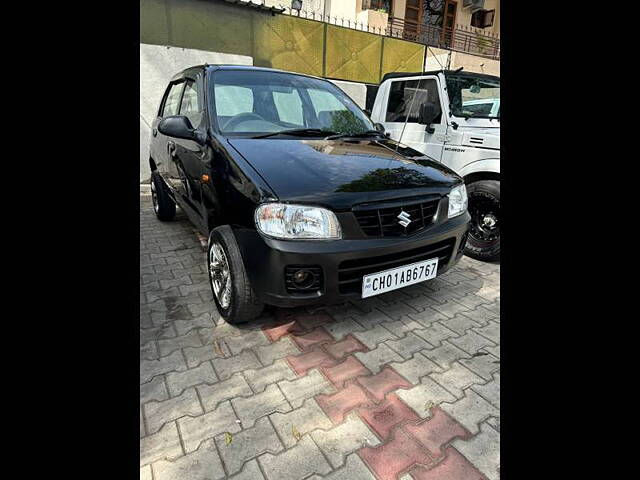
[163,204]
[232,292]
[483,242]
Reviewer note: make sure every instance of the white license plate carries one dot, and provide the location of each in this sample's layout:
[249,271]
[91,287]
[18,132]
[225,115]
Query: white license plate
[394,278]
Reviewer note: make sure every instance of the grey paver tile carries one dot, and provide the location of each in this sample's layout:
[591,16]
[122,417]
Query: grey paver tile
[375,359]
[427,391]
[249,409]
[374,336]
[250,471]
[178,381]
[343,328]
[247,444]
[153,390]
[470,410]
[213,395]
[490,390]
[164,444]
[157,414]
[195,430]
[299,421]
[261,377]
[354,469]
[275,351]
[298,462]
[248,340]
[346,438]
[203,464]
[483,365]
[483,450]
[225,367]
[408,345]
[471,342]
[191,339]
[170,363]
[456,379]
[445,354]
[312,384]
[416,367]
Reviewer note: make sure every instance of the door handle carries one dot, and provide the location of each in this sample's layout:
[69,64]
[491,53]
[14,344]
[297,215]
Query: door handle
[155,132]
[171,148]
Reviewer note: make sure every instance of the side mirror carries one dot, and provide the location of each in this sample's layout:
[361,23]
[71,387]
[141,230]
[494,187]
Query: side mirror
[177,126]
[427,113]
[379,127]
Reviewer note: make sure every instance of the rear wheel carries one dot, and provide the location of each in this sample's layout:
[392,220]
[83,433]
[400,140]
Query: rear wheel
[483,242]
[163,204]
[232,292]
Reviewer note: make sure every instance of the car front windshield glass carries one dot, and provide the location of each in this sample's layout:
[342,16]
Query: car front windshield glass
[473,97]
[253,103]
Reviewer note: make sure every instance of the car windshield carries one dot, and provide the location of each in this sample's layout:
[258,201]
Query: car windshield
[254,103]
[473,97]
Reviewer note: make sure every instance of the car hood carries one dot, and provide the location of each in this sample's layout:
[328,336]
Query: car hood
[342,173]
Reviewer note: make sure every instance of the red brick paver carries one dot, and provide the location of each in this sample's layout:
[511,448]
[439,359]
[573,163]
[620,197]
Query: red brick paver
[453,467]
[337,405]
[349,344]
[437,431]
[301,364]
[392,458]
[382,418]
[311,339]
[350,368]
[387,380]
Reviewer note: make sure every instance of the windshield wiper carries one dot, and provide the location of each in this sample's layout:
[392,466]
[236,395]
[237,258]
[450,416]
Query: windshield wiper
[367,133]
[316,132]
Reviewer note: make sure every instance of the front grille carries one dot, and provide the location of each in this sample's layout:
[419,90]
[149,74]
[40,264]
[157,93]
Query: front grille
[290,285]
[350,272]
[383,221]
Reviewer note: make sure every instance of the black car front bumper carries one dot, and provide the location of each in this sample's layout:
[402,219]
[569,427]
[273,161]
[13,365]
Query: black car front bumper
[343,262]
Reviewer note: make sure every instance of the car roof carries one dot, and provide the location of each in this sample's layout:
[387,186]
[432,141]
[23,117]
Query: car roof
[192,71]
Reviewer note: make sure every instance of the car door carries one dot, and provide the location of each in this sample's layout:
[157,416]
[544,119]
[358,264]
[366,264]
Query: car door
[189,154]
[404,97]
[162,146]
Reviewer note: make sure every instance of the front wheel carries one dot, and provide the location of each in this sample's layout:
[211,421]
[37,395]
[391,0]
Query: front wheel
[232,292]
[483,242]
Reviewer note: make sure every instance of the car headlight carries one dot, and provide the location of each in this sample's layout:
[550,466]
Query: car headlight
[291,222]
[457,201]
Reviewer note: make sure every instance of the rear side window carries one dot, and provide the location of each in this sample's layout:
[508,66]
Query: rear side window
[401,95]
[190,106]
[171,103]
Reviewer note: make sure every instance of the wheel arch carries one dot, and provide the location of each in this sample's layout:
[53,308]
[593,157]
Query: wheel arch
[475,176]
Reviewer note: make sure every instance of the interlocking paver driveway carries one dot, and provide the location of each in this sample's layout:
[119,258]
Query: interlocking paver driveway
[401,386]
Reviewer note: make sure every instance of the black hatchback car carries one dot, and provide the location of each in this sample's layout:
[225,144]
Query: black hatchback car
[304,200]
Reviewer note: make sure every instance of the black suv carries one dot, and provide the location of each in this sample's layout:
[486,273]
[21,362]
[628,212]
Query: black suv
[304,200]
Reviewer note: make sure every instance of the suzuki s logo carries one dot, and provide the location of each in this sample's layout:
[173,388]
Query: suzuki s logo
[404,218]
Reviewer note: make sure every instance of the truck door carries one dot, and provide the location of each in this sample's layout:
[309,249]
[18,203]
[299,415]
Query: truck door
[404,98]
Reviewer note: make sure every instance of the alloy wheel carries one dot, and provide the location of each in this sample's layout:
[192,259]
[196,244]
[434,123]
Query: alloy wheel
[220,275]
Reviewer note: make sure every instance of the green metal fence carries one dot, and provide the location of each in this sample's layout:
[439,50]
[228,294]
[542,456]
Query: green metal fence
[277,41]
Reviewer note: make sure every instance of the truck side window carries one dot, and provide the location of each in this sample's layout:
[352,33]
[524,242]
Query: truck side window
[401,94]
[190,106]
[171,103]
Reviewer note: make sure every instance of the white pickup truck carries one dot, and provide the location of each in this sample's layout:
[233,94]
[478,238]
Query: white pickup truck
[454,117]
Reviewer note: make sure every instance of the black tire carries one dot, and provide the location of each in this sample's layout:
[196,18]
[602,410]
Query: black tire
[163,204]
[244,304]
[483,242]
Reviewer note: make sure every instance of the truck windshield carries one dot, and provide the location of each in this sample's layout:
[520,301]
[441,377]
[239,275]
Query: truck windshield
[473,97]
[255,103]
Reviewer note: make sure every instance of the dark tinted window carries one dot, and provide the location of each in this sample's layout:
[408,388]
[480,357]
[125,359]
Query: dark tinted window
[401,97]
[171,103]
[190,106]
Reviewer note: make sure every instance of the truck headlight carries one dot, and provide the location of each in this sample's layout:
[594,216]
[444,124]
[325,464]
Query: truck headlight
[294,222]
[457,201]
